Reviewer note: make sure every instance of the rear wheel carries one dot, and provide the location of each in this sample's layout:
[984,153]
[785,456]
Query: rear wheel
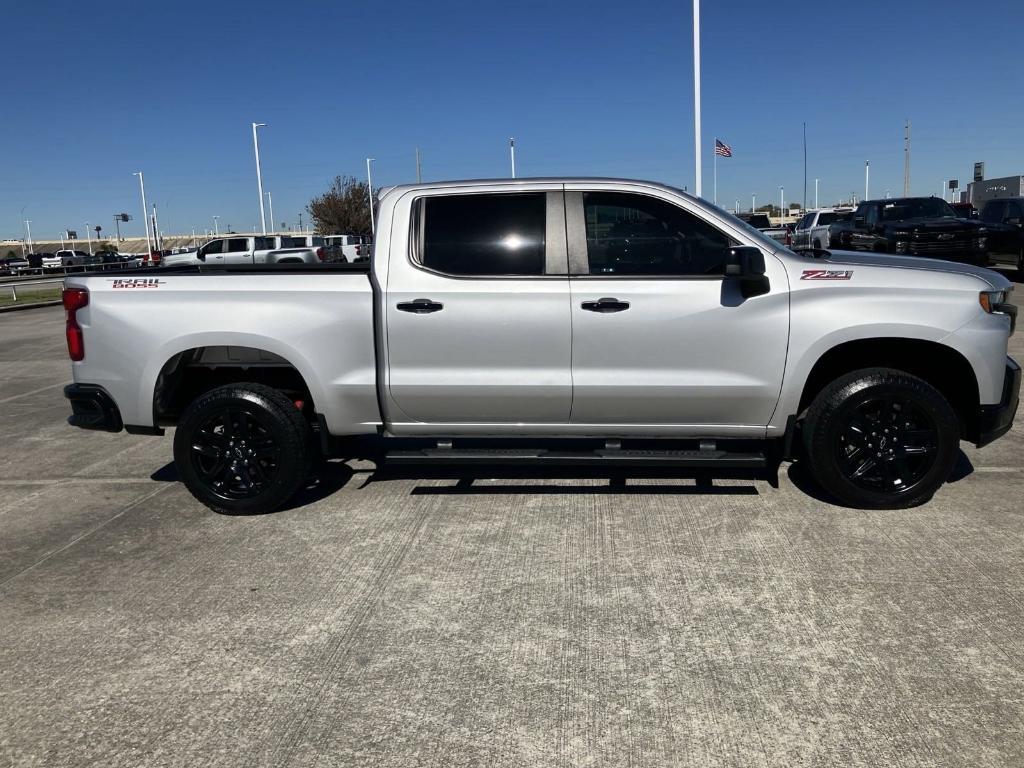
[242,448]
[879,438]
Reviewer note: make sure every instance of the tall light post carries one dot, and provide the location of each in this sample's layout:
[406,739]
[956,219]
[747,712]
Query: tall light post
[815,194]
[867,177]
[419,167]
[259,172]
[216,227]
[369,184]
[88,237]
[782,202]
[696,97]
[753,203]
[145,212]
[512,153]
[28,227]
[270,205]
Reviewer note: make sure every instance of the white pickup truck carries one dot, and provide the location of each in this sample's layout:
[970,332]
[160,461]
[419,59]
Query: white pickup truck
[242,250]
[565,321]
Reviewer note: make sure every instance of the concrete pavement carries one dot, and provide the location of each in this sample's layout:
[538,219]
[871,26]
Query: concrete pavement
[491,621]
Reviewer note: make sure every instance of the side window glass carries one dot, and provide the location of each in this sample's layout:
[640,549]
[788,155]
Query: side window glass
[639,235]
[993,211]
[871,215]
[483,234]
[266,243]
[214,246]
[238,244]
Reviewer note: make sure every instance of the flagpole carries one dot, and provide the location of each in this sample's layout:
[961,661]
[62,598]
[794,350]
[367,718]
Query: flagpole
[714,152]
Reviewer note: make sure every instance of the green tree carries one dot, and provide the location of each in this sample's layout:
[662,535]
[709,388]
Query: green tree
[342,209]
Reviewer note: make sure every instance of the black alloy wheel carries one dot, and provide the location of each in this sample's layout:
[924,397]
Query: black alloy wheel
[880,438]
[242,448]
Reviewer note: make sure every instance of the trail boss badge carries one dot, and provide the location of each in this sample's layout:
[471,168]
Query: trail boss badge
[137,282]
[826,274]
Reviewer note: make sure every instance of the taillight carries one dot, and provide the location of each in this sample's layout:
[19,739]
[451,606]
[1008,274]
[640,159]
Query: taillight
[320,253]
[74,299]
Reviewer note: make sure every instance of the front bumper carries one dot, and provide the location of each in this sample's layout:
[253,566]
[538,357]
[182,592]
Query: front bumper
[92,408]
[994,421]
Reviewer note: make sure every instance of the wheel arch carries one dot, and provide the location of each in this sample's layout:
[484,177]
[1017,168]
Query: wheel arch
[940,365]
[187,370]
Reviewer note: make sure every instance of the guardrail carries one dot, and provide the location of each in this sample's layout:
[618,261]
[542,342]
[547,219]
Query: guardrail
[23,283]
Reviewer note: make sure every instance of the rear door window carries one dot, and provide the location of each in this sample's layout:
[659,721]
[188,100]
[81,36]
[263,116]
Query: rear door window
[993,211]
[483,234]
[238,245]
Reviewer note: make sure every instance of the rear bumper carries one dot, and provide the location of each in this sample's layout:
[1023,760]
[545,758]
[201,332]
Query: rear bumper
[994,421]
[92,408]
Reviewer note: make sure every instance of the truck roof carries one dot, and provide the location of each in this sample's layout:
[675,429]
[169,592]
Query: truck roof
[527,181]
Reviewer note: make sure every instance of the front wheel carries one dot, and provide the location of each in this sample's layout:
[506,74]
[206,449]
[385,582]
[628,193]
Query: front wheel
[242,448]
[879,438]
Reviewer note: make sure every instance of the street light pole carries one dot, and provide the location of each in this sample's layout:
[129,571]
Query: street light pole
[782,202]
[216,227]
[270,205]
[369,183]
[28,226]
[145,212]
[867,176]
[259,173]
[512,153]
[696,97]
[815,194]
[753,203]
[88,237]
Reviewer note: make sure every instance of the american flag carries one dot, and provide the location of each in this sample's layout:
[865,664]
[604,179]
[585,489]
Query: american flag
[722,149]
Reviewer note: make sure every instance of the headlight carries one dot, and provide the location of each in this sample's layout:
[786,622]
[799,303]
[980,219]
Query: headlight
[901,246]
[991,300]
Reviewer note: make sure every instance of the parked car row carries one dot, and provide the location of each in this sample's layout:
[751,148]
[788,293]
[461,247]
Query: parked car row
[921,226]
[273,249]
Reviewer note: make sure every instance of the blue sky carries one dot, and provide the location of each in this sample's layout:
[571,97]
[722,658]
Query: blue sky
[93,92]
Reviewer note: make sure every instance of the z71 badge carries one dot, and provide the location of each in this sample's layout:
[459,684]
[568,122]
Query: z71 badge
[137,282]
[826,274]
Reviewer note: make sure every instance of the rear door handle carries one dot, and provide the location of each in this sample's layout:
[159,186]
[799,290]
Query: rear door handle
[605,305]
[420,306]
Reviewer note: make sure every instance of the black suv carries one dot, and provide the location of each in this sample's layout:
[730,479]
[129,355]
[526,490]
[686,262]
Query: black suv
[916,226]
[1004,218]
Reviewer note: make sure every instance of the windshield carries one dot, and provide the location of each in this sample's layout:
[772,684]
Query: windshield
[924,208]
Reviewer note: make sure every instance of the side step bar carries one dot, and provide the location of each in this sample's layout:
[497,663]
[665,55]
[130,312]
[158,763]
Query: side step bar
[694,459]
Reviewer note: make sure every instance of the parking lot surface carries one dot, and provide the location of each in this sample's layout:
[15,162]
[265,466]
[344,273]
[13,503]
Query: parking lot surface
[562,620]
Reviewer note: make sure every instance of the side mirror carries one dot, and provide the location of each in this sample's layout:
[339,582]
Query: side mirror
[746,264]
[201,255]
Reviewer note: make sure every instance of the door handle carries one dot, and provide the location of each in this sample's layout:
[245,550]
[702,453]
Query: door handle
[605,305]
[420,306]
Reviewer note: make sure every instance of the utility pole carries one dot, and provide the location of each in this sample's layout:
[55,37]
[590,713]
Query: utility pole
[369,184]
[259,173]
[906,160]
[145,212]
[696,97]
[419,168]
[512,153]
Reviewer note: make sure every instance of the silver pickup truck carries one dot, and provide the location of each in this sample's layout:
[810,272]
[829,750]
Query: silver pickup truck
[246,250]
[553,321]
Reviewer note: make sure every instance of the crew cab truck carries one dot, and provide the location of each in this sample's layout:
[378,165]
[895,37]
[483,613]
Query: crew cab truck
[812,231]
[243,250]
[916,226]
[1004,219]
[558,321]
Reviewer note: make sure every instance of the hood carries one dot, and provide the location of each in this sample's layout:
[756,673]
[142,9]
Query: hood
[860,258]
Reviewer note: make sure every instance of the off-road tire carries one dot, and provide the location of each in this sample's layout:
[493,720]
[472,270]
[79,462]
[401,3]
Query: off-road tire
[267,431]
[833,444]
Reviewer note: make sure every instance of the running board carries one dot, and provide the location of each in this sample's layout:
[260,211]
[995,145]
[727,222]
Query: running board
[694,459]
